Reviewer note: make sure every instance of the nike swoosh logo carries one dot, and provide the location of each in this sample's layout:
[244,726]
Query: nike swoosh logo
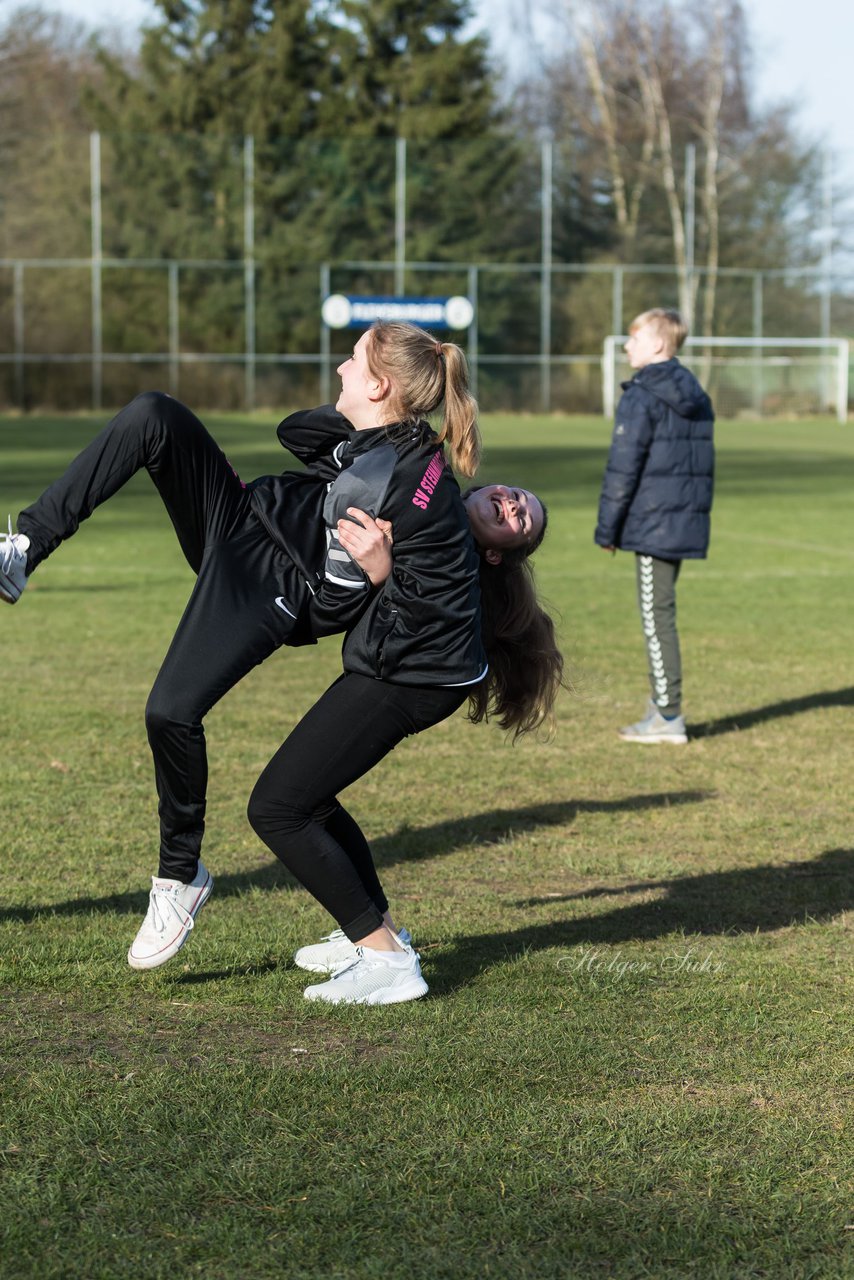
[280,601]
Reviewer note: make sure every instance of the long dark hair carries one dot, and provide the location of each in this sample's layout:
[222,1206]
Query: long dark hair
[525,663]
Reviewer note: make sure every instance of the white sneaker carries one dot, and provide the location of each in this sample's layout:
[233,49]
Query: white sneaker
[172,907]
[374,977]
[654,728]
[13,564]
[334,951]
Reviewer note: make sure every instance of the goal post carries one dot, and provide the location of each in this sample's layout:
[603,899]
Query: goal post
[752,377]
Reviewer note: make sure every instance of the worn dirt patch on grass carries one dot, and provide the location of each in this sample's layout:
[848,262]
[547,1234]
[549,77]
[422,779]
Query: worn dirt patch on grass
[41,1029]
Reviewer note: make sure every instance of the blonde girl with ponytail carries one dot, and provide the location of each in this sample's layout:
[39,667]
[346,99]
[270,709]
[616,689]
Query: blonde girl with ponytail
[424,374]
[456,619]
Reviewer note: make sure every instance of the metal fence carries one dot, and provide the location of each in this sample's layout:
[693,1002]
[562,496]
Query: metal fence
[542,369]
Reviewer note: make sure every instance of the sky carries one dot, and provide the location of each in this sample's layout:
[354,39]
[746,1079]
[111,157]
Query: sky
[803,52]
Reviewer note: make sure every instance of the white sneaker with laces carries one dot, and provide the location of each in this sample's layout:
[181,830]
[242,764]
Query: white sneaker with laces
[334,951]
[172,908]
[654,728]
[13,564]
[374,977]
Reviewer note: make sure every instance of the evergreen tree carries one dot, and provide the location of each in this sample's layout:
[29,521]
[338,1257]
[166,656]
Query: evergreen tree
[207,75]
[324,89]
[413,74]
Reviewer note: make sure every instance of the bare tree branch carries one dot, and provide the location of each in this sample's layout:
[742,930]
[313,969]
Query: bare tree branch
[648,71]
[710,132]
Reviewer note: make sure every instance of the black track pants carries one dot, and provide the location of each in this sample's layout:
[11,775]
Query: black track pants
[657,602]
[293,807]
[242,607]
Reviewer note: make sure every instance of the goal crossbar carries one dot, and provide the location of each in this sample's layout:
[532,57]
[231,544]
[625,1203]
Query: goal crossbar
[763,357]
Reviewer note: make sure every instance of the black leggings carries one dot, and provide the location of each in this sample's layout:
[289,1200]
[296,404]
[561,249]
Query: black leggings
[233,620]
[293,807]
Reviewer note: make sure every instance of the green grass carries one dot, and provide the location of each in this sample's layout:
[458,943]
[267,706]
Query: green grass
[635,1060]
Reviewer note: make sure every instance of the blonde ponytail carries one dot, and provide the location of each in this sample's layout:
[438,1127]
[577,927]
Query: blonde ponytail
[425,373]
[459,424]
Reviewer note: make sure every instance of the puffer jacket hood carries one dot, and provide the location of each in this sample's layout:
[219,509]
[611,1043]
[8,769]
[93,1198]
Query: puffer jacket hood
[671,382]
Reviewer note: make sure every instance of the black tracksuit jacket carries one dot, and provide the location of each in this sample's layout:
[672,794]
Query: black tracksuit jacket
[423,625]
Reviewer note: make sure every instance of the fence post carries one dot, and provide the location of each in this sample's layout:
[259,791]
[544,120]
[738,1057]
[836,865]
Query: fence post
[844,350]
[759,380]
[472,335]
[400,216]
[325,371]
[827,246]
[18,310]
[617,300]
[690,190]
[608,376]
[174,333]
[249,264]
[97,314]
[827,263]
[546,278]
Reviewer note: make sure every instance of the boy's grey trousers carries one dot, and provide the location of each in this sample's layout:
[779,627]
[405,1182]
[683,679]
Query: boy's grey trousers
[657,600]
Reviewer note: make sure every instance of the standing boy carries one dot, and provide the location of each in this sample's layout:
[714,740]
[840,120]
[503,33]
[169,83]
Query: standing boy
[656,498]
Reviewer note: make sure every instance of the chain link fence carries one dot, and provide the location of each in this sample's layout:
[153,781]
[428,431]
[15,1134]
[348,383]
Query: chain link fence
[218,301]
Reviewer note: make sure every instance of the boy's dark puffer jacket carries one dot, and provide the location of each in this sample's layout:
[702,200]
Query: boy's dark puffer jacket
[657,491]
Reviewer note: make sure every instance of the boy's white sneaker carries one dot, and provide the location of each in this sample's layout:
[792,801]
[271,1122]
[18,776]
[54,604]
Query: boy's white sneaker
[334,951]
[654,728]
[172,909]
[13,564]
[374,977]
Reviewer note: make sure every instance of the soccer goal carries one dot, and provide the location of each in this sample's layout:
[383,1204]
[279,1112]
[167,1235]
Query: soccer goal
[752,377]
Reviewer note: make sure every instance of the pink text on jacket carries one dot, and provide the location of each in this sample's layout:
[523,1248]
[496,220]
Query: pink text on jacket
[429,480]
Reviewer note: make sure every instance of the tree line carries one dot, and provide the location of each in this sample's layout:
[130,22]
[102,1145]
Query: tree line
[626,91]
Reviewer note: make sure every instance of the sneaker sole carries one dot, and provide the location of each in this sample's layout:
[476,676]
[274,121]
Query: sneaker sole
[412,990]
[676,740]
[6,589]
[316,966]
[310,966]
[154,962]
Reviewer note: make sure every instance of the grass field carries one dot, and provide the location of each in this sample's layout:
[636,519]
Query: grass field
[636,1057]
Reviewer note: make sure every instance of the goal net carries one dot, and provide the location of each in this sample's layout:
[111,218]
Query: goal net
[752,377]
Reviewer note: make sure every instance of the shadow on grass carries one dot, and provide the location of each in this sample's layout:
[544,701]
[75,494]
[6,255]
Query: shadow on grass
[774,711]
[234,971]
[407,845]
[501,826]
[42,588]
[745,900]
